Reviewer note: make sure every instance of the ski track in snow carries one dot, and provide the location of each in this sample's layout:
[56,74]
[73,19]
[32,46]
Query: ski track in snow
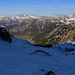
[15,59]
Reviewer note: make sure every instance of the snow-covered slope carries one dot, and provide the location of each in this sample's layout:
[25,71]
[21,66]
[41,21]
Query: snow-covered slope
[21,58]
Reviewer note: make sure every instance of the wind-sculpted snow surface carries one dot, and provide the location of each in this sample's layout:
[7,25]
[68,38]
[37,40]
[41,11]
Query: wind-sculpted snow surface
[18,58]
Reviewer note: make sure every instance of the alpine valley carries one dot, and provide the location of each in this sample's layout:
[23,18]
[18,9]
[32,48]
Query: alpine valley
[41,30]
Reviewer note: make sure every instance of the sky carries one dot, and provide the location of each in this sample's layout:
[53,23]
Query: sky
[37,7]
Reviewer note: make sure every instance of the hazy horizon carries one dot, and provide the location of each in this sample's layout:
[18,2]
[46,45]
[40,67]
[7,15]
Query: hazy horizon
[39,7]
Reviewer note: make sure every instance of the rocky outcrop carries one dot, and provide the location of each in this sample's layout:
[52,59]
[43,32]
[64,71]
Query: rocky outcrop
[50,73]
[4,35]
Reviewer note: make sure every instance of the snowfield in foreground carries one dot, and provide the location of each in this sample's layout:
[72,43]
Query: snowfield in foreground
[21,58]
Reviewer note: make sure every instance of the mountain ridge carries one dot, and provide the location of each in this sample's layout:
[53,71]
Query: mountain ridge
[45,30]
[47,33]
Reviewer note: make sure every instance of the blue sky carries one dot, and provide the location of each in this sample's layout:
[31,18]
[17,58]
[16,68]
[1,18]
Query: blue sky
[37,7]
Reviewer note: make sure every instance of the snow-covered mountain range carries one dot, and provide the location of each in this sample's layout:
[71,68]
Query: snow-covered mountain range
[41,30]
[44,31]
[23,58]
[11,20]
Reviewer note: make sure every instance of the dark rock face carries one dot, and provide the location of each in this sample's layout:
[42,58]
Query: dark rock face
[4,35]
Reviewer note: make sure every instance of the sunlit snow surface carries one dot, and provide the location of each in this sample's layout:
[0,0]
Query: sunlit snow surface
[21,58]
